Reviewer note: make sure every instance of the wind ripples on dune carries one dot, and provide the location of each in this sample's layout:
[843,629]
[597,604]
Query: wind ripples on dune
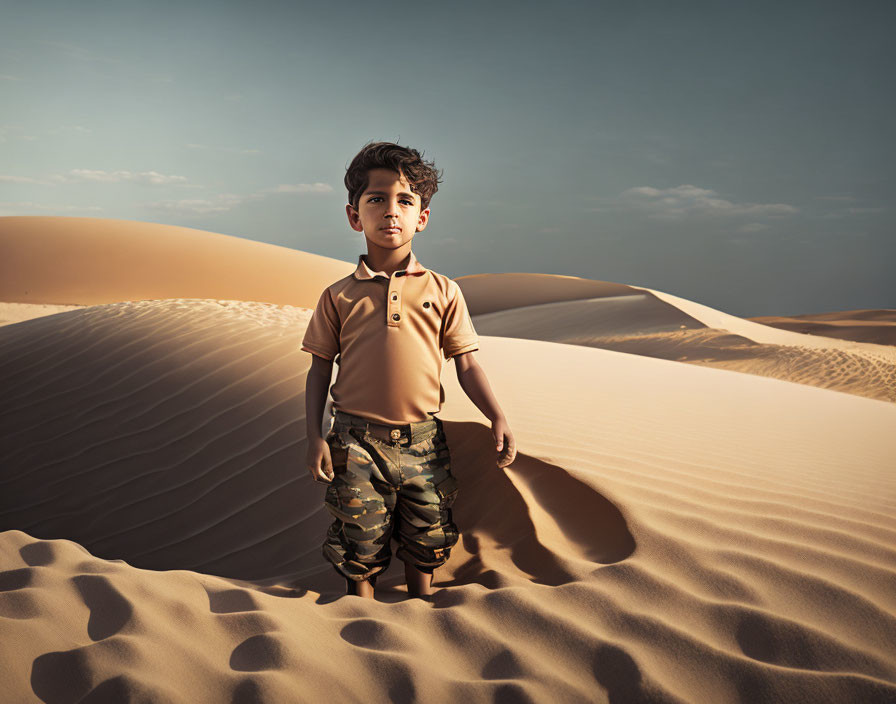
[660,537]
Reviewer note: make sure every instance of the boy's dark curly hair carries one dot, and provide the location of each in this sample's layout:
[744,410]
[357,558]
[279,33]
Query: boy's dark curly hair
[422,175]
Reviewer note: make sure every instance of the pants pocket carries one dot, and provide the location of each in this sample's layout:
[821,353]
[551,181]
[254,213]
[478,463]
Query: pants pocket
[447,489]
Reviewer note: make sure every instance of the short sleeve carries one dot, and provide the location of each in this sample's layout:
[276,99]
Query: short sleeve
[322,334]
[457,326]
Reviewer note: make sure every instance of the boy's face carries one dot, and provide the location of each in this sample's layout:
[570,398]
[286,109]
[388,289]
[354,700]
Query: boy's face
[388,211]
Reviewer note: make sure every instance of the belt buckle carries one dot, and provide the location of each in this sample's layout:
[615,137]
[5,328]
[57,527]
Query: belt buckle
[395,433]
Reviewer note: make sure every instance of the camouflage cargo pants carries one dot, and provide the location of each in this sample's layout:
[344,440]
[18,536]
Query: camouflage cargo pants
[389,483]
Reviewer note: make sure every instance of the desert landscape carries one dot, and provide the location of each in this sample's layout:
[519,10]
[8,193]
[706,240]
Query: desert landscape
[706,502]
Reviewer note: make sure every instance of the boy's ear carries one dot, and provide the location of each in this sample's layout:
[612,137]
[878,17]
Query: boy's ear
[422,219]
[354,219]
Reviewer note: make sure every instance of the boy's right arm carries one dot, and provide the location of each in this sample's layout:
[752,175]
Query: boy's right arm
[317,384]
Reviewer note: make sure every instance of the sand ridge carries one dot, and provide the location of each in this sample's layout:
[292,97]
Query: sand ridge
[653,323]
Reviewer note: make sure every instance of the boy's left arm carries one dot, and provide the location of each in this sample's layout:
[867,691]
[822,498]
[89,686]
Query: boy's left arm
[472,380]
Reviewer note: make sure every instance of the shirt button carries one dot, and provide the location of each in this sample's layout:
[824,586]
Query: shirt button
[394,296]
[426,304]
[396,316]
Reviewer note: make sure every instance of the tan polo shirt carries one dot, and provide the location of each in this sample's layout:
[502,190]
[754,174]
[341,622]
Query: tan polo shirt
[390,333]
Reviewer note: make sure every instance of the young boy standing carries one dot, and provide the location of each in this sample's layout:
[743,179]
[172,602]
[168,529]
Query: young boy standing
[386,460]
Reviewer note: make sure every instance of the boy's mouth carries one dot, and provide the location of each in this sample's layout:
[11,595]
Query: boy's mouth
[392,230]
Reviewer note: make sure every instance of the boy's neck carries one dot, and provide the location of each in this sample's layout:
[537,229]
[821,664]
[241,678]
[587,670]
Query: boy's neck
[388,260]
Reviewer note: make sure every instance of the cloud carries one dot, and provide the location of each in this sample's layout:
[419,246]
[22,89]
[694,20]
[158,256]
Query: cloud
[316,187]
[228,201]
[153,178]
[5,178]
[9,208]
[201,206]
[688,201]
[753,227]
[195,206]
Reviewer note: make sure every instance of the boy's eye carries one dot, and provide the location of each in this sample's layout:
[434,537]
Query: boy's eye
[403,200]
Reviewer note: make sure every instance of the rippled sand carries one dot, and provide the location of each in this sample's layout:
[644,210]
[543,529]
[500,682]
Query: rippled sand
[669,532]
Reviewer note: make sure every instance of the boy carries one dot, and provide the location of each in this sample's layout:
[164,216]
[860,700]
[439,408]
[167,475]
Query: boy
[386,460]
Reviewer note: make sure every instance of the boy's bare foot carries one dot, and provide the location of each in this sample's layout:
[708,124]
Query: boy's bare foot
[419,582]
[363,588]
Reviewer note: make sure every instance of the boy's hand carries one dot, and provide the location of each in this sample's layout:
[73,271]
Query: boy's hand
[320,464]
[504,442]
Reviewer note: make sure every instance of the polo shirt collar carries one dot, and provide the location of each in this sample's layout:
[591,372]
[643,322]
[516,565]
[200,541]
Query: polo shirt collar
[365,272]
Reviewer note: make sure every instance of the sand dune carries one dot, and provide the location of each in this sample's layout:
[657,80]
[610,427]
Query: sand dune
[675,533]
[654,323]
[88,261]
[51,264]
[668,532]
[877,326]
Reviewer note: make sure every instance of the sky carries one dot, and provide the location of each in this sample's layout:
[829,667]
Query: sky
[740,155]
